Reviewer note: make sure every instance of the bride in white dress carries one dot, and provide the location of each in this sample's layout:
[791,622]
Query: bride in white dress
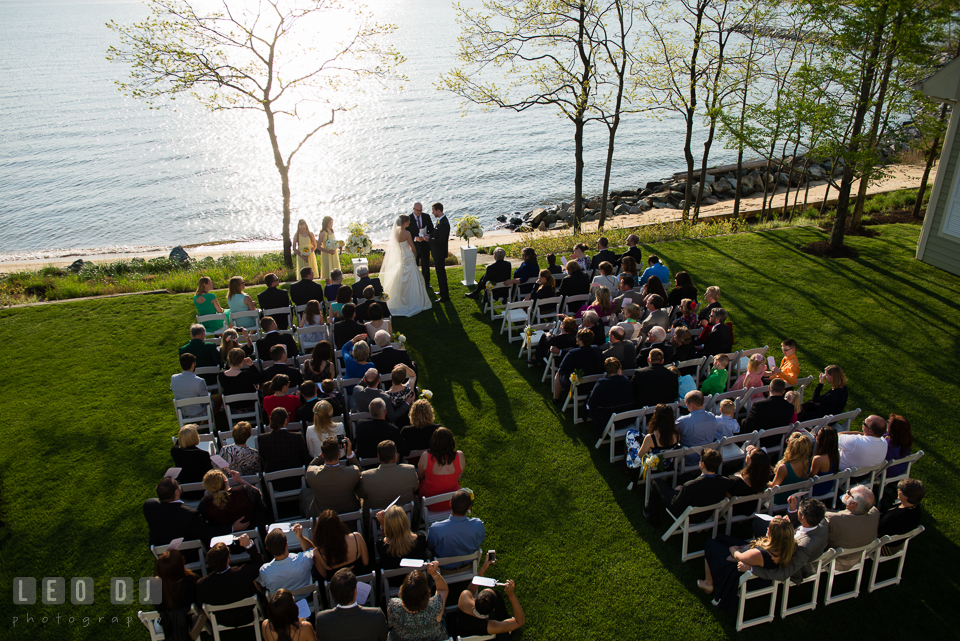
[399,275]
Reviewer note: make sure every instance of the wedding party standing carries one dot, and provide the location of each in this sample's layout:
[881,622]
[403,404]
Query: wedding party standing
[398,273]
[438,248]
[328,251]
[421,229]
[304,244]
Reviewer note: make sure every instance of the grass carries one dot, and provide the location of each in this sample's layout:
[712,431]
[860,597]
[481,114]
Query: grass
[87,422]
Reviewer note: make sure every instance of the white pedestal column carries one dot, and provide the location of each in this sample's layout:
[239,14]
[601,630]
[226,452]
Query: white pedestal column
[468,258]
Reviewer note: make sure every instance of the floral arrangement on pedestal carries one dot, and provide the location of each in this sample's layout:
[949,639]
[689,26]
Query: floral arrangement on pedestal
[469,227]
[358,242]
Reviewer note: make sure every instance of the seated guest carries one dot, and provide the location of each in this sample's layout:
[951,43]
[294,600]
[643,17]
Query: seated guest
[687,317]
[904,517]
[312,328]
[169,518]
[282,450]
[457,535]
[552,265]
[625,293]
[306,289]
[363,281]
[899,438]
[683,289]
[486,613]
[556,343]
[275,298]
[592,322]
[716,337]
[398,542]
[609,396]
[374,430]
[631,324]
[684,349]
[789,368]
[223,505]
[362,312]
[420,430]
[632,250]
[272,337]
[794,466]
[441,467]
[601,303]
[655,268]
[727,425]
[336,547]
[347,327]
[685,384]
[344,298]
[329,393]
[320,366]
[380,486]
[698,427]
[716,383]
[576,282]
[279,387]
[278,354]
[662,435]
[603,255]
[356,354]
[308,398]
[323,428]
[187,385]
[604,279]
[207,304]
[225,584]
[855,526]
[753,377]
[376,322]
[826,459]
[654,384]
[774,411]
[752,479]
[238,455]
[811,533]
[653,287]
[656,317]
[580,256]
[619,348]
[283,621]
[389,356]
[369,389]
[585,357]
[334,485]
[795,398]
[529,268]
[178,587]
[864,449]
[288,570]
[546,287]
[628,265]
[402,392]
[348,620]
[192,461]
[231,340]
[706,489]
[496,272]
[833,401]
[206,353]
[238,302]
[656,339]
[417,615]
[723,554]
[336,282]
[711,301]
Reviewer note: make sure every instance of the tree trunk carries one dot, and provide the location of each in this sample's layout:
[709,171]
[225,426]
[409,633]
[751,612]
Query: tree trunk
[934,152]
[736,197]
[578,175]
[691,111]
[703,170]
[284,170]
[606,171]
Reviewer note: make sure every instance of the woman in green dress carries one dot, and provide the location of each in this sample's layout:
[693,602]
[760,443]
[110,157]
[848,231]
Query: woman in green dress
[328,250]
[304,244]
[207,303]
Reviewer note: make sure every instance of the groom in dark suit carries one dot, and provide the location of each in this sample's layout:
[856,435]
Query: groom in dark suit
[420,221]
[439,239]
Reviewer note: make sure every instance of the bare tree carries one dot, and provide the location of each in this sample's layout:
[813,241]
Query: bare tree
[253,56]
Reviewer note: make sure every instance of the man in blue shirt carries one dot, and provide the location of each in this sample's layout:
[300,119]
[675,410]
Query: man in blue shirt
[289,571]
[657,269]
[698,427]
[457,535]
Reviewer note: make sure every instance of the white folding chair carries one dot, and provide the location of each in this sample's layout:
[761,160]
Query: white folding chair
[859,556]
[746,594]
[801,385]
[243,557]
[575,302]
[842,421]
[308,337]
[517,292]
[246,400]
[811,426]
[773,439]
[887,545]
[270,477]
[252,314]
[530,343]
[734,448]
[214,317]
[312,595]
[201,402]
[546,309]
[273,312]
[552,365]
[495,306]
[734,359]
[741,365]
[458,574]
[196,566]
[611,434]
[750,396]
[432,516]
[213,371]
[814,578]
[682,524]
[830,498]
[758,500]
[187,488]
[888,479]
[788,490]
[250,602]
[714,406]
[516,316]
[696,363]
[151,620]
[579,399]
[385,576]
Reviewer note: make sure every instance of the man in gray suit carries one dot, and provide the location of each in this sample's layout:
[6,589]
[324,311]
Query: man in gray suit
[368,390]
[811,534]
[349,621]
[656,316]
[333,485]
[855,526]
[618,348]
[380,486]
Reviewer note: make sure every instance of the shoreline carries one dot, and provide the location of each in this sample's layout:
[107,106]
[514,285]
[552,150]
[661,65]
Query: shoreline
[903,176]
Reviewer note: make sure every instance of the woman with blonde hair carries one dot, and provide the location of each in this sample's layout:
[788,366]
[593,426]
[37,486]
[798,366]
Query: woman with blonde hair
[723,554]
[422,426]
[304,245]
[231,340]
[711,301]
[753,377]
[794,466]
[225,505]
[323,428]
[192,461]
[207,303]
[602,304]
[795,398]
[688,317]
[397,540]
[237,301]
[329,246]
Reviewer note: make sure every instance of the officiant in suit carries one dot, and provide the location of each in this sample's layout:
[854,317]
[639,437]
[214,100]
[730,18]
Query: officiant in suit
[439,240]
[420,221]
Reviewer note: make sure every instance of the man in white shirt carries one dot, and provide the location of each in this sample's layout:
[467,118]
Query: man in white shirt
[864,449]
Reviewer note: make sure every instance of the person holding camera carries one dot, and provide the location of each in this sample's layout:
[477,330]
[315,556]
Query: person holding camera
[486,613]
[332,485]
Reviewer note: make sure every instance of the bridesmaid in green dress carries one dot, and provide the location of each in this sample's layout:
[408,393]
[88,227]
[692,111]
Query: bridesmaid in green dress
[304,244]
[207,303]
[328,250]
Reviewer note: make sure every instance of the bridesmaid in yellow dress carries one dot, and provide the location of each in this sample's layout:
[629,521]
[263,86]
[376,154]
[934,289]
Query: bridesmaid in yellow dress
[304,244]
[328,249]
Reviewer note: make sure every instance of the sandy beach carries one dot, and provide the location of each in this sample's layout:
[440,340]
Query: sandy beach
[902,177]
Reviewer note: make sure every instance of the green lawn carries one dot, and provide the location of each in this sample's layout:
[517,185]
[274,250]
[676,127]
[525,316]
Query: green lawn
[87,420]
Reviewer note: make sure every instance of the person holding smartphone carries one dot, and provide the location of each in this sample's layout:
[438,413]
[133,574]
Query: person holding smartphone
[486,613]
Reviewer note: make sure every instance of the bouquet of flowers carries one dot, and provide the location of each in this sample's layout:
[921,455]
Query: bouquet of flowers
[427,394]
[358,242]
[575,379]
[399,338]
[469,227]
[332,243]
[384,296]
[527,334]
[650,462]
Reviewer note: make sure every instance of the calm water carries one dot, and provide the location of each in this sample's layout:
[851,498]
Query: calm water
[81,166]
